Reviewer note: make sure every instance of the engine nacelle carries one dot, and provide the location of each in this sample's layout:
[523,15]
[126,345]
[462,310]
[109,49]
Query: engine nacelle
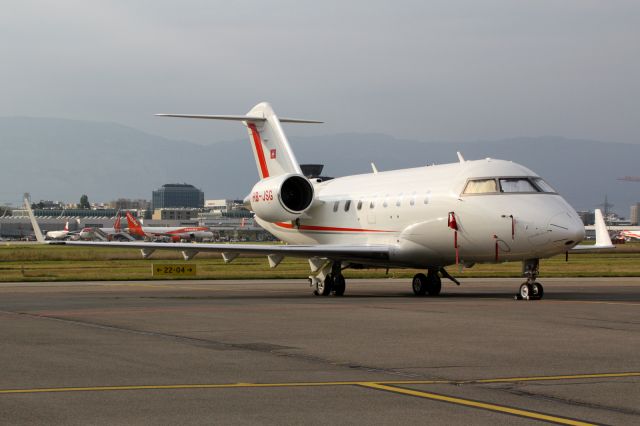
[281,198]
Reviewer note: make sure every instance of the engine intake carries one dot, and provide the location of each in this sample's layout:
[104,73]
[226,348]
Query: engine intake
[282,198]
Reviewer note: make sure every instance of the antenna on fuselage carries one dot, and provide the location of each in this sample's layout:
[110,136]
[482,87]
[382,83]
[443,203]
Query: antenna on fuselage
[460,157]
[374,168]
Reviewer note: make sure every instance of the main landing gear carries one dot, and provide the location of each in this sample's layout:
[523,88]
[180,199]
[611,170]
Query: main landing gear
[326,283]
[530,289]
[427,284]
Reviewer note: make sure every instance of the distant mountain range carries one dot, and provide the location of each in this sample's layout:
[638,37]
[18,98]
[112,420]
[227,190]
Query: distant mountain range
[62,159]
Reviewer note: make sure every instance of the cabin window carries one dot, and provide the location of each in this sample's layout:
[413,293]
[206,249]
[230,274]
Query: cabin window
[427,197]
[481,186]
[516,185]
[336,205]
[372,204]
[399,200]
[360,205]
[543,186]
[347,205]
[385,203]
[412,201]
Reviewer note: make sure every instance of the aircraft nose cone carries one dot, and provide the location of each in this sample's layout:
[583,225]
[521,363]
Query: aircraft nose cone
[566,229]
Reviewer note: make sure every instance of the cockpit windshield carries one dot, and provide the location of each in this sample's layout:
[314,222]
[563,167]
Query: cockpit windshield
[544,186]
[516,185]
[511,185]
[481,186]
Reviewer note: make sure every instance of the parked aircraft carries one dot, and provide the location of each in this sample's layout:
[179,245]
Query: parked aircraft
[629,235]
[61,234]
[107,234]
[483,211]
[172,233]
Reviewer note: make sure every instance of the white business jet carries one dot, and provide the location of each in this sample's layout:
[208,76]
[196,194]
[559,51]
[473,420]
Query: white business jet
[58,235]
[469,212]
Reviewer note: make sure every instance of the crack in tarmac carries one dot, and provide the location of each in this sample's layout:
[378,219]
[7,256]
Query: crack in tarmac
[512,389]
[260,347]
[605,320]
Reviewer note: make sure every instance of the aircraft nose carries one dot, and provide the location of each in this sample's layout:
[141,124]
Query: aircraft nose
[566,229]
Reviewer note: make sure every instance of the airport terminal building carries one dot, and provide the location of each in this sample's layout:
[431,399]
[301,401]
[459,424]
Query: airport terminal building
[177,195]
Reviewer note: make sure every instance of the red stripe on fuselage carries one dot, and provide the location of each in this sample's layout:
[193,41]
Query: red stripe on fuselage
[325,228]
[259,151]
[186,230]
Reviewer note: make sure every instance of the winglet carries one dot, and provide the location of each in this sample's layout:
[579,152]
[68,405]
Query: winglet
[603,240]
[32,217]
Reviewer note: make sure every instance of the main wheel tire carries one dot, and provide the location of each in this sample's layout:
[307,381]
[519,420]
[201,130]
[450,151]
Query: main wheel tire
[419,284]
[434,284]
[538,291]
[339,285]
[325,286]
[526,291]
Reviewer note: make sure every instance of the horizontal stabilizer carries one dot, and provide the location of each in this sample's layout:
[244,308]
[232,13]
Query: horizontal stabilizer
[239,118]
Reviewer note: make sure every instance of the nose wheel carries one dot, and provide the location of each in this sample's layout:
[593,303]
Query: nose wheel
[533,291]
[530,289]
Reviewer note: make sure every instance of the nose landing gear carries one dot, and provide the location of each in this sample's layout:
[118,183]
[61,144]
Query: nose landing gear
[530,290]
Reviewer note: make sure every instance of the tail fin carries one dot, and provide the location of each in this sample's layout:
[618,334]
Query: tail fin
[117,226]
[270,146]
[135,228]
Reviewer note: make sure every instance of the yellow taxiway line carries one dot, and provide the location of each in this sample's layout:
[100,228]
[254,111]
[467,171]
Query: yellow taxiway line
[477,404]
[312,384]
[389,386]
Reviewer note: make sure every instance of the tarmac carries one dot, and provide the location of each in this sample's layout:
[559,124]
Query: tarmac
[268,352]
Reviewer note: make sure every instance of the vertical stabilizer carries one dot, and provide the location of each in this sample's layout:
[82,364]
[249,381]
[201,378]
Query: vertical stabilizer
[270,146]
[117,225]
[135,227]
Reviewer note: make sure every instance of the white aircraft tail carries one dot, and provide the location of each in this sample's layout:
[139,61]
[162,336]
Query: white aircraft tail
[603,240]
[270,146]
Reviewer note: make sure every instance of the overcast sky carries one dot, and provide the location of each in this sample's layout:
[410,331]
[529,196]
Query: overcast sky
[425,70]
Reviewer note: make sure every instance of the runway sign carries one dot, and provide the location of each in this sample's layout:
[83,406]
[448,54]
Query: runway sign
[173,269]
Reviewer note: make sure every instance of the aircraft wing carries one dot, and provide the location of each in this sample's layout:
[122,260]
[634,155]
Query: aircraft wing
[356,253]
[603,241]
